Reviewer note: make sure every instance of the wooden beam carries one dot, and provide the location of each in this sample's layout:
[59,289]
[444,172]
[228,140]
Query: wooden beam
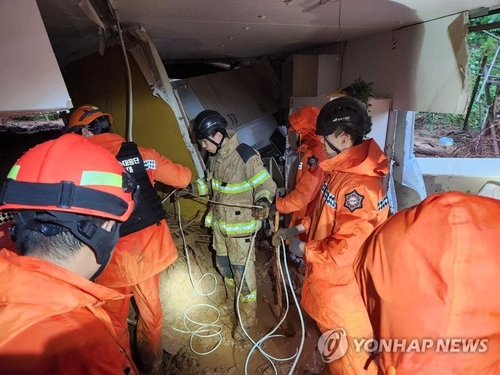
[490,26]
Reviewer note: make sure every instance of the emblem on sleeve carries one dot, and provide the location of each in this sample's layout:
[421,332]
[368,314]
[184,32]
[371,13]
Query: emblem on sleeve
[353,201]
[312,161]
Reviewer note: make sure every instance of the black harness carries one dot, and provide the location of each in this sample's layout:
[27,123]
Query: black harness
[148,209]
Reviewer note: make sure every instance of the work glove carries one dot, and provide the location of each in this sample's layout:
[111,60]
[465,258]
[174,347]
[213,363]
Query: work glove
[285,233]
[261,213]
[182,193]
[272,211]
[295,247]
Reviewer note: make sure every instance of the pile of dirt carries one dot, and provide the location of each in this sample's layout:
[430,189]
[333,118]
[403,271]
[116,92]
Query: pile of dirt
[178,298]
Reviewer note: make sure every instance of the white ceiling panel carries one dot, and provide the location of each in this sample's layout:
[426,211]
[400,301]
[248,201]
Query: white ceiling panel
[211,29]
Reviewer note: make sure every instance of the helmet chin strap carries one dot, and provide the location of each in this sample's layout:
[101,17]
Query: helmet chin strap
[216,144]
[332,146]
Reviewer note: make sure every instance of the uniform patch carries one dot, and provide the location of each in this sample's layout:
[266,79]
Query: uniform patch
[312,161]
[353,201]
[150,164]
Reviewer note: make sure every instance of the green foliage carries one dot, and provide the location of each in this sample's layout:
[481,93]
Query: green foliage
[360,90]
[481,44]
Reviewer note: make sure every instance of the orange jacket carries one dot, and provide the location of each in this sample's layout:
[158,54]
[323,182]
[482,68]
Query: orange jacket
[53,322]
[432,272]
[309,176]
[351,204]
[147,252]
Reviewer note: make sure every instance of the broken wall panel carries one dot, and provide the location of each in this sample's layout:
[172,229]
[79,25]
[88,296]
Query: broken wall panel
[29,73]
[422,67]
[430,64]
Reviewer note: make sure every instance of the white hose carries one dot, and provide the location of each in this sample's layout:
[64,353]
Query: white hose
[257,345]
[216,328]
[205,330]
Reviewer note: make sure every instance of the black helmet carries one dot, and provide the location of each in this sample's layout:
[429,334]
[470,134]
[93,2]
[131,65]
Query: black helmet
[346,112]
[206,122]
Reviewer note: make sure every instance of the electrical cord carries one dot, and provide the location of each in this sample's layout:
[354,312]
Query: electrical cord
[270,335]
[212,329]
[205,330]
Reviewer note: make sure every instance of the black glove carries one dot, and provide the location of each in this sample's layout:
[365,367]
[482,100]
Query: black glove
[284,233]
[261,213]
[181,193]
[294,247]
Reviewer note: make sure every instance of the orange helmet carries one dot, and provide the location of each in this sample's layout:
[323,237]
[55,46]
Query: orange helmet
[69,174]
[91,117]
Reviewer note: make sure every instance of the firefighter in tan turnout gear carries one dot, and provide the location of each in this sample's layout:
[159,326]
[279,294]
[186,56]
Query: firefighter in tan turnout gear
[236,180]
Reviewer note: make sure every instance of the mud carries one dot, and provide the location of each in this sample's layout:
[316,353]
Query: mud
[229,356]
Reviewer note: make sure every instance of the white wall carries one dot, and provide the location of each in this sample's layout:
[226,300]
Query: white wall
[29,74]
[422,67]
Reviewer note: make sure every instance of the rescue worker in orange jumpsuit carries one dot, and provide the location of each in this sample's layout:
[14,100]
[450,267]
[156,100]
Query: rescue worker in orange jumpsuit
[146,246]
[300,201]
[352,203]
[431,274]
[236,180]
[65,229]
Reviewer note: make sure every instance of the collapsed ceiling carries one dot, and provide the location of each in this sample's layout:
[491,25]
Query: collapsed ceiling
[240,29]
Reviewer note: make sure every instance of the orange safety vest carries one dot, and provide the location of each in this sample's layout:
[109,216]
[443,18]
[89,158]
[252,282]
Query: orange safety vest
[432,272]
[53,322]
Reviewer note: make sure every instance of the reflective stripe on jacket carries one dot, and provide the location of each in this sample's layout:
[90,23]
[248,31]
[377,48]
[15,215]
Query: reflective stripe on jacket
[235,182]
[53,322]
[432,272]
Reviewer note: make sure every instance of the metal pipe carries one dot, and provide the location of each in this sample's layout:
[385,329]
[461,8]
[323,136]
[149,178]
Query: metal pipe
[487,75]
[492,35]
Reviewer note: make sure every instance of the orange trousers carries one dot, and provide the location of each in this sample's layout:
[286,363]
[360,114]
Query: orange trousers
[149,322]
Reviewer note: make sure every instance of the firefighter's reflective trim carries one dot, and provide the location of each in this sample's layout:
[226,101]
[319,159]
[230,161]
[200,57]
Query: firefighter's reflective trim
[263,194]
[101,178]
[241,187]
[97,178]
[234,229]
[202,187]
[209,219]
[259,178]
[14,171]
[252,297]
[226,188]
